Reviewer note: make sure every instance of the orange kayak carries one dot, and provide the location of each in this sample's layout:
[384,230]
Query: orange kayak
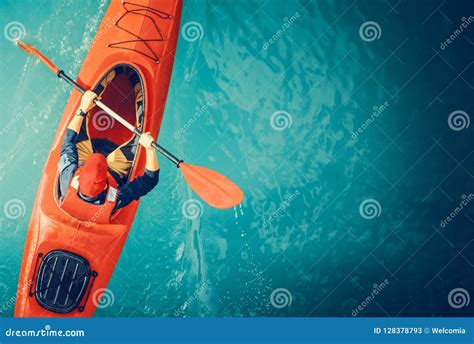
[67,263]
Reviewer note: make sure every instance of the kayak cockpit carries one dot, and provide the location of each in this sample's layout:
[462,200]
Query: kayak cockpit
[121,88]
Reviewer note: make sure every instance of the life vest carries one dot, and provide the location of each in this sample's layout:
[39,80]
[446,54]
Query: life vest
[75,206]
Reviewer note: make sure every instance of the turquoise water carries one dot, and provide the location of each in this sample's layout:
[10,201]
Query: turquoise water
[339,139]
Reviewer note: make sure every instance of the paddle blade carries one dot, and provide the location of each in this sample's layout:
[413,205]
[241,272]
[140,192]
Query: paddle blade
[25,47]
[215,189]
[32,51]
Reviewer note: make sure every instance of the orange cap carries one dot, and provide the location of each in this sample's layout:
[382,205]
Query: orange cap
[93,177]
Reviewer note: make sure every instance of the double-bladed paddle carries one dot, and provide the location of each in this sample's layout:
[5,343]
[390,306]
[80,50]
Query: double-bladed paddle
[214,188]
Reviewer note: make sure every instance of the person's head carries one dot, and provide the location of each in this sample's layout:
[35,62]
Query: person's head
[93,177]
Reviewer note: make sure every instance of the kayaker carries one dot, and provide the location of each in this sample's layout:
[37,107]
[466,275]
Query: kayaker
[85,190]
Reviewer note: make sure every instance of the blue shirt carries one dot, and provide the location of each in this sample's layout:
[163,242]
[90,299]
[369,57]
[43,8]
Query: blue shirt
[128,192]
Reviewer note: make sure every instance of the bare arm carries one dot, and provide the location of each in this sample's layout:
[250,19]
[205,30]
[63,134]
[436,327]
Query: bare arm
[151,159]
[87,103]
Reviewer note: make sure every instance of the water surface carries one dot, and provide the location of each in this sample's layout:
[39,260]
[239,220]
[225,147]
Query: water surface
[280,96]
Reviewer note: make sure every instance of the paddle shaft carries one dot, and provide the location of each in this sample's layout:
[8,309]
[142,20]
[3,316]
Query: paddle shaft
[214,188]
[120,119]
